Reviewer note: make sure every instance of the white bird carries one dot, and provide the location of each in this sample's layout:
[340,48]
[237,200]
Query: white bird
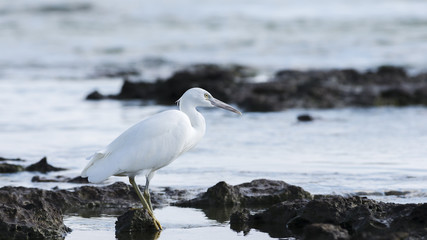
[154,143]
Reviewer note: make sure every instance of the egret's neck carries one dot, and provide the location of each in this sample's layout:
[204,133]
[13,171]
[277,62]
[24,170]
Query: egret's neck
[196,118]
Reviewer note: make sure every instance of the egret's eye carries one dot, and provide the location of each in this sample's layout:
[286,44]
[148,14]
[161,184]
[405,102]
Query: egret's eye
[206,95]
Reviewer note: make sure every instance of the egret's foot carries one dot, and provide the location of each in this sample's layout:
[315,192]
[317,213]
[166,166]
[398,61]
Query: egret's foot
[155,221]
[158,225]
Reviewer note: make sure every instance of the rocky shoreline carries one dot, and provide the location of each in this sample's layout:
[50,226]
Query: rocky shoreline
[274,207]
[385,86]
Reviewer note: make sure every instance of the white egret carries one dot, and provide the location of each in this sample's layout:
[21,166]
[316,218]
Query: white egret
[154,143]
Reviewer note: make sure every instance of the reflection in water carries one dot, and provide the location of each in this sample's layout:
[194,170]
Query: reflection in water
[138,236]
[219,214]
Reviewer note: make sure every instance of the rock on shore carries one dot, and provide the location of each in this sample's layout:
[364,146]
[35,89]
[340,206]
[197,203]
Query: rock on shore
[387,85]
[260,192]
[280,209]
[31,213]
[337,217]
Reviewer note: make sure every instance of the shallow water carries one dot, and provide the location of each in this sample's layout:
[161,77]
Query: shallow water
[49,50]
[343,151]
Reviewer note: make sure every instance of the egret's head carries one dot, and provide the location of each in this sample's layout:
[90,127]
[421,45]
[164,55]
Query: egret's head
[199,97]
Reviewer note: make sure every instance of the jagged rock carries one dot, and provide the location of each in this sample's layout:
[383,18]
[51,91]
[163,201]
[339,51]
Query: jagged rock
[43,167]
[387,85]
[31,213]
[256,193]
[360,218]
[27,214]
[78,179]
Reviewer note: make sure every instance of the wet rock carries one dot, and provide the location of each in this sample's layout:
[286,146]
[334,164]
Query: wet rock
[60,179]
[27,214]
[135,221]
[95,95]
[78,179]
[43,167]
[391,71]
[10,168]
[323,231]
[30,213]
[136,90]
[43,179]
[336,217]
[305,118]
[2,159]
[396,193]
[256,193]
[221,81]
[387,85]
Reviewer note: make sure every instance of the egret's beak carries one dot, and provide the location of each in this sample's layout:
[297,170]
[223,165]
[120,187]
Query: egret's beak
[223,105]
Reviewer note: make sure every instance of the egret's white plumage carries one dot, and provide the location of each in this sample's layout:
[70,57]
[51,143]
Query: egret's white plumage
[154,142]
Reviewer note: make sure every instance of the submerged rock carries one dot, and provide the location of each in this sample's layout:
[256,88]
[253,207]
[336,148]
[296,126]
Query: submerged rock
[259,192]
[43,167]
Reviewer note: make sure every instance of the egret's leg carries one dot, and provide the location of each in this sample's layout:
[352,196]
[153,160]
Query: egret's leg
[144,203]
[147,193]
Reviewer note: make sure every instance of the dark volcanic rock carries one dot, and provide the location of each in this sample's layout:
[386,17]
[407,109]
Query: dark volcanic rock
[43,167]
[336,217]
[305,118]
[78,179]
[60,179]
[2,159]
[387,85]
[259,192]
[10,168]
[29,214]
[135,221]
[95,95]
[324,231]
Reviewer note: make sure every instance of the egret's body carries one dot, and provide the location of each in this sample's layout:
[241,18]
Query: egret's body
[153,143]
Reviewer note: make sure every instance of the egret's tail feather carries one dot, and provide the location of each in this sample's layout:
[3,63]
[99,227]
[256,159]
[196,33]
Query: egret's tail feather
[94,172]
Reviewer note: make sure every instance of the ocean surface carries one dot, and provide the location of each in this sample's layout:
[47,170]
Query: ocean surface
[51,51]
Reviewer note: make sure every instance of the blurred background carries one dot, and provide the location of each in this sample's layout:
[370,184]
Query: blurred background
[52,53]
[71,36]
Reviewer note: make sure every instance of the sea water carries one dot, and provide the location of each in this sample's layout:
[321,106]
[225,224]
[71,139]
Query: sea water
[50,53]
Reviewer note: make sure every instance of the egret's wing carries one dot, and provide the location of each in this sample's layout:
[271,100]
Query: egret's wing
[150,144]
